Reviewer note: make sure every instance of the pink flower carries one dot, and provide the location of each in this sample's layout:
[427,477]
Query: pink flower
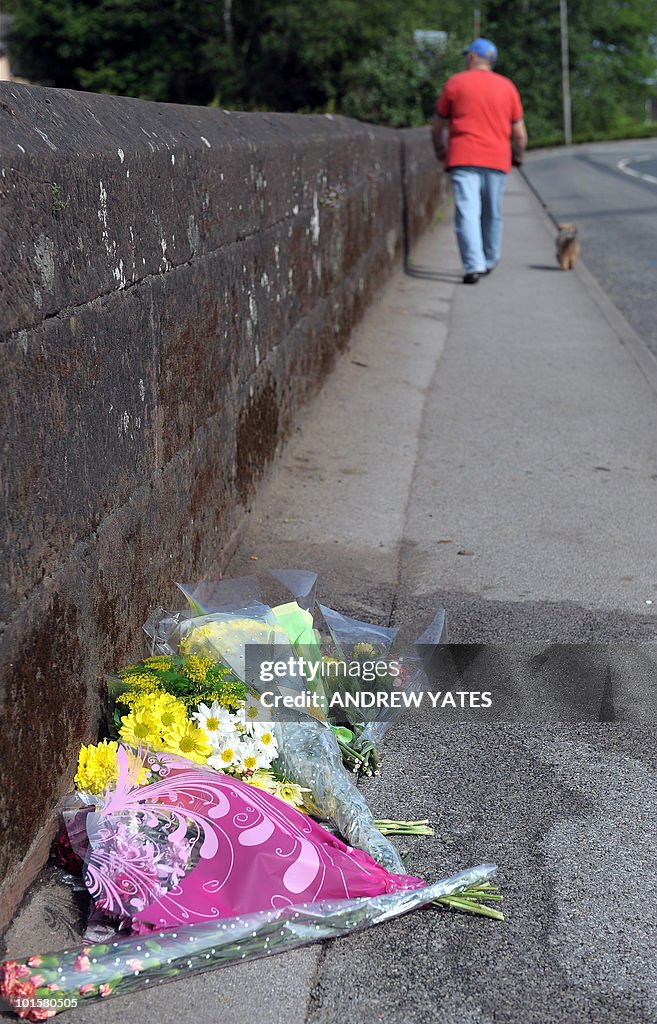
[34,961]
[82,962]
[38,980]
[22,971]
[104,990]
[84,990]
[7,977]
[21,991]
[53,987]
[134,964]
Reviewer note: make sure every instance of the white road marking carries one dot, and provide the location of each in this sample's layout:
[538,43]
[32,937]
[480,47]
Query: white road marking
[622,166]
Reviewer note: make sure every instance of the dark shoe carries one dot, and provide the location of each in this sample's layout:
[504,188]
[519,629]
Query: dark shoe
[470,278]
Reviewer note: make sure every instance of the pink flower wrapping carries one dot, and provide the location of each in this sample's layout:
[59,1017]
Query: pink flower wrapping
[196,845]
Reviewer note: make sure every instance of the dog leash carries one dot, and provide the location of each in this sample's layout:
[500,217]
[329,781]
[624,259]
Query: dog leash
[527,182]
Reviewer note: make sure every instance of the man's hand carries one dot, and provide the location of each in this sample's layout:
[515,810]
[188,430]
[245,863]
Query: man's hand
[439,129]
[518,142]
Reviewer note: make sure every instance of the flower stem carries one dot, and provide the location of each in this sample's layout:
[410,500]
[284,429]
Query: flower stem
[388,827]
[470,901]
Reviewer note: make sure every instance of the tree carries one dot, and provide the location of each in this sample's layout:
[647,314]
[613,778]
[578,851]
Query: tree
[144,48]
[398,84]
[300,55]
[352,55]
[610,58]
[272,54]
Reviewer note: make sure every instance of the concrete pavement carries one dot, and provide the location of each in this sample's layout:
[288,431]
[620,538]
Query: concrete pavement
[609,190]
[490,449]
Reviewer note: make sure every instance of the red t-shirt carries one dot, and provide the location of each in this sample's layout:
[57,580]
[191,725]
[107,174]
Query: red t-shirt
[481,106]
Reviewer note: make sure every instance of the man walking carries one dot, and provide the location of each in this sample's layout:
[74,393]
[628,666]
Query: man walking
[480,113]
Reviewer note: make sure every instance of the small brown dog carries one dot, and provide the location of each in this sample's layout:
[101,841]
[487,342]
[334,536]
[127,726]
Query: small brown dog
[567,246]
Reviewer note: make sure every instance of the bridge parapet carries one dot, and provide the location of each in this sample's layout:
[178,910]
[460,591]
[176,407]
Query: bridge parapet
[176,282]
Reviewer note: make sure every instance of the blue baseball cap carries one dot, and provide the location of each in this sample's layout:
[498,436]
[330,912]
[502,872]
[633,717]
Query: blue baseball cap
[483,48]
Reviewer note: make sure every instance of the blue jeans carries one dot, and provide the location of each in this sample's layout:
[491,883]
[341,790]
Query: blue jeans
[478,193]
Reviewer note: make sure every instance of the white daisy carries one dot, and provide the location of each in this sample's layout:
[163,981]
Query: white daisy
[252,758]
[257,729]
[227,757]
[267,745]
[216,722]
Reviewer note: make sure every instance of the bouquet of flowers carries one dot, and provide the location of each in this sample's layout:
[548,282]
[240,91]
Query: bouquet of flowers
[195,815]
[336,657]
[208,871]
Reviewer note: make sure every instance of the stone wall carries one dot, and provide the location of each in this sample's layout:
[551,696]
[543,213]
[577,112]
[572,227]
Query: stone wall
[176,282]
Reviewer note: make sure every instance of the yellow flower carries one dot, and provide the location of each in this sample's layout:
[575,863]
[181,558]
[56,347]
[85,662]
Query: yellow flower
[262,780]
[97,766]
[225,759]
[198,637]
[230,635]
[158,662]
[282,788]
[291,794]
[166,710]
[197,668]
[139,684]
[140,727]
[231,696]
[129,697]
[251,712]
[145,681]
[189,741]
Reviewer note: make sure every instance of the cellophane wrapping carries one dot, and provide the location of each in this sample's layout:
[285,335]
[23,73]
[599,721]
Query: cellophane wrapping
[45,984]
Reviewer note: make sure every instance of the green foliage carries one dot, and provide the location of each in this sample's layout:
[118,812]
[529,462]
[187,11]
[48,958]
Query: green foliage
[189,678]
[351,56]
[623,131]
[293,55]
[59,201]
[145,48]
[253,54]
[611,58]
[397,85]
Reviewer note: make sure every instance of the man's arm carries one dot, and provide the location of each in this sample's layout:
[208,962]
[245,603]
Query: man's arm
[518,141]
[439,130]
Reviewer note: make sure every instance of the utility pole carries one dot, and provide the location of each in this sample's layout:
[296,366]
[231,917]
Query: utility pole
[565,73]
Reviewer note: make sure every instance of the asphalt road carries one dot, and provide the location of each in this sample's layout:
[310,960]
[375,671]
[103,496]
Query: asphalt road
[610,191]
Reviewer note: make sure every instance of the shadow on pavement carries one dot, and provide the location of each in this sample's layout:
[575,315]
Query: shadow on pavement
[433,275]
